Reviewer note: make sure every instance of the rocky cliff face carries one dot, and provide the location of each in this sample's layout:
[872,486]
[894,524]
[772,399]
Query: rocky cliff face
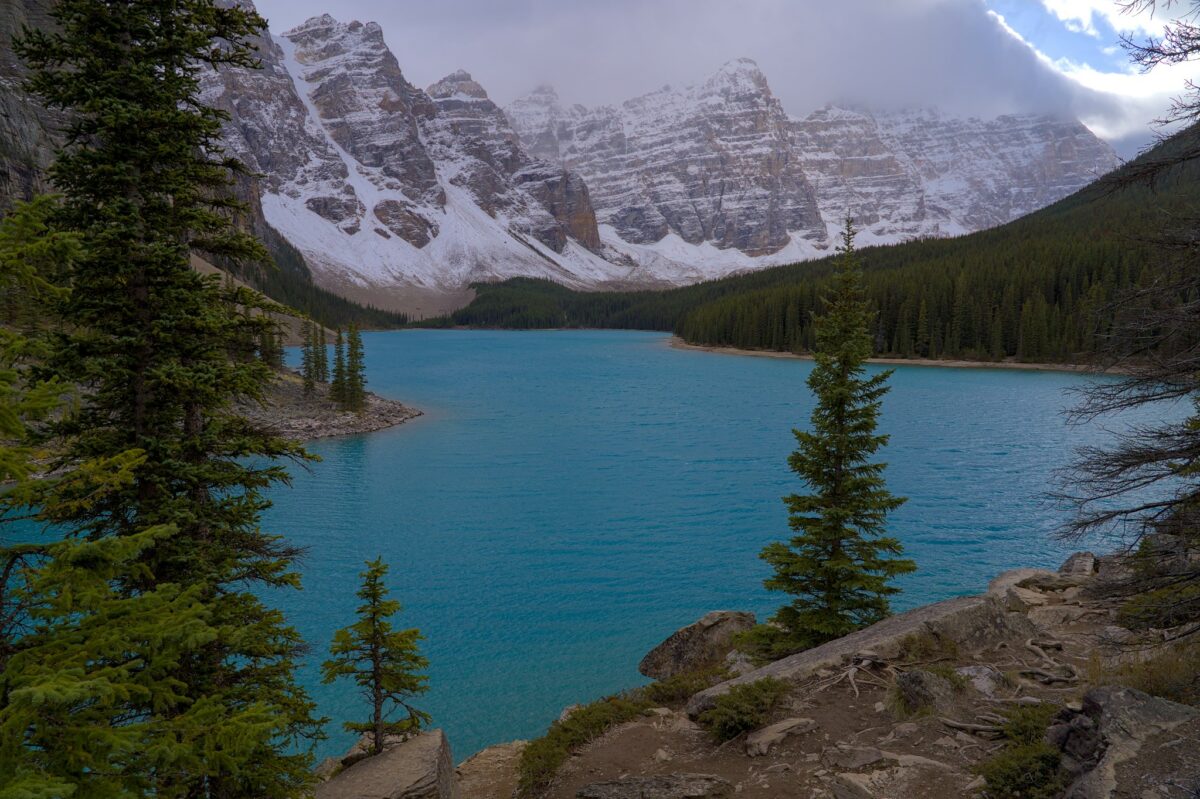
[382,185]
[27,130]
[721,164]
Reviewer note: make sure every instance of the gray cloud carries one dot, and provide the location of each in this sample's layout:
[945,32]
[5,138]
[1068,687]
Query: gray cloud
[880,53]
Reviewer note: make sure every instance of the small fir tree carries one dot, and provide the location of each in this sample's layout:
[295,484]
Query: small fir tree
[383,662]
[356,379]
[840,561]
[337,387]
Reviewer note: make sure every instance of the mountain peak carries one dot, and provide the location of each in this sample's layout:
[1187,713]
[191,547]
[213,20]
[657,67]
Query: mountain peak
[740,75]
[458,82]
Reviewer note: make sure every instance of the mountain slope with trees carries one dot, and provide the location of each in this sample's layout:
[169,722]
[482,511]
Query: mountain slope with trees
[1025,290]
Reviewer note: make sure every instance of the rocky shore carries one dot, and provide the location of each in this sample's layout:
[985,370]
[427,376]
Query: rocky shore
[914,706]
[291,413]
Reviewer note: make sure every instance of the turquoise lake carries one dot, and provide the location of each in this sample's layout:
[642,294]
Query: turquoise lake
[570,498]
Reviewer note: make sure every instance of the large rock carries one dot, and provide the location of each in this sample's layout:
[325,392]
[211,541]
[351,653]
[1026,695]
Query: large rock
[701,644]
[970,622]
[1112,729]
[491,773]
[920,690]
[418,768]
[1080,564]
[670,786]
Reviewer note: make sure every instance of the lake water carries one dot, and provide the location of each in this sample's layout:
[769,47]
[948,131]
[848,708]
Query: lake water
[571,498]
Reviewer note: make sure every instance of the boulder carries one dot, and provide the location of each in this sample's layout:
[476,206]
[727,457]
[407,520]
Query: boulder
[1021,600]
[760,742]
[970,622]
[987,680]
[1080,564]
[1000,584]
[1111,729]
[854,758]
[668,786]
[696,646]
[920,690]
[417,768]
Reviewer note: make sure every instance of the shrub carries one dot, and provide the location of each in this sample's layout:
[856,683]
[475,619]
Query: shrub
[746,707]
[925,646]
[681,687]
[542,758]
[1024,771]
[1171,673]
[1027,767]
[766,643]
[957,681]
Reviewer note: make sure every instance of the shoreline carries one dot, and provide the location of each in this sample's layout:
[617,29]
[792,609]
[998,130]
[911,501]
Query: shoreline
[291,414]
[677,343]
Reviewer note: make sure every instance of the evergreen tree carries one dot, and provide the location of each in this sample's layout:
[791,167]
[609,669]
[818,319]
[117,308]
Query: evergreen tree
[356,379]
[308,358]
[322,355]
[385,663]
[164,473]
[337,387]
[839,562]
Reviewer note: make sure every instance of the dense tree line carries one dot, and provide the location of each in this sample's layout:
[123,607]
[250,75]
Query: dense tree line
[1028,290]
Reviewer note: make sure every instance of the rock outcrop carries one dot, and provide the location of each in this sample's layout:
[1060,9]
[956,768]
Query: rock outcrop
[703,643]
[28,132]
[1114,728]
[968,622]
[417,768]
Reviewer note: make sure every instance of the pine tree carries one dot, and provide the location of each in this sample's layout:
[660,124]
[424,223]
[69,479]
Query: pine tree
[308,358]
[356,379]
[383,662]
[322,355]
[162,351]
[337,387]
[839,562]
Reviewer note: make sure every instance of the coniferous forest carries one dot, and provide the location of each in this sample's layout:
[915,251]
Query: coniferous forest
[1031,290]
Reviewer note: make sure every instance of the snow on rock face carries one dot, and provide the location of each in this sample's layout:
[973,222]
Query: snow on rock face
[709,163]
[381,184]
[720,163]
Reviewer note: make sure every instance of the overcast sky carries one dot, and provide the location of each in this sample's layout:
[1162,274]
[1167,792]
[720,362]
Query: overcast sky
[965,56]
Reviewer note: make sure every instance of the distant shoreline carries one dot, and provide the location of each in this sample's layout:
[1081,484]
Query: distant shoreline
[677,343]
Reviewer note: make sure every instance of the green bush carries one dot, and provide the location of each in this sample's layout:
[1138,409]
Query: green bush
[1027,767]
[765,643]
[543,756]
[957,681]
[1025,771]
[1172,673]
[680,687]
[746,707]
[925,647]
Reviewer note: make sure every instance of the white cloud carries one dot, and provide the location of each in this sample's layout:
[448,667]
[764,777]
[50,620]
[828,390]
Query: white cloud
[1081,16]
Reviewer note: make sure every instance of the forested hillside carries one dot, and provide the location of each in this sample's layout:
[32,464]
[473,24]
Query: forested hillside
[1027,289]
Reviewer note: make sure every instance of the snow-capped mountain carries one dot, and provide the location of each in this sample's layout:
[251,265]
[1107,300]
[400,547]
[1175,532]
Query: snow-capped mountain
[384,186]
[381,184]
[720,164]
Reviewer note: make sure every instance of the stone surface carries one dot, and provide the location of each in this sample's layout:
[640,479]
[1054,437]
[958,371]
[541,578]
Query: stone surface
[700,644]
[987,680]
[1000,584]
[974,622]
[920,690]
[669,786]
[491,773]
[1020,600]
[1081,563]
[853,758]
[760,742]
[419,768]
[1110,730]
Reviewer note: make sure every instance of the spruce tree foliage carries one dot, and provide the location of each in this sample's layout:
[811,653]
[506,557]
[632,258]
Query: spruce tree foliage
[839,563]
[322,353]
[385,663]
[356,378]
[309,367]
[164,477]
[337,386]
